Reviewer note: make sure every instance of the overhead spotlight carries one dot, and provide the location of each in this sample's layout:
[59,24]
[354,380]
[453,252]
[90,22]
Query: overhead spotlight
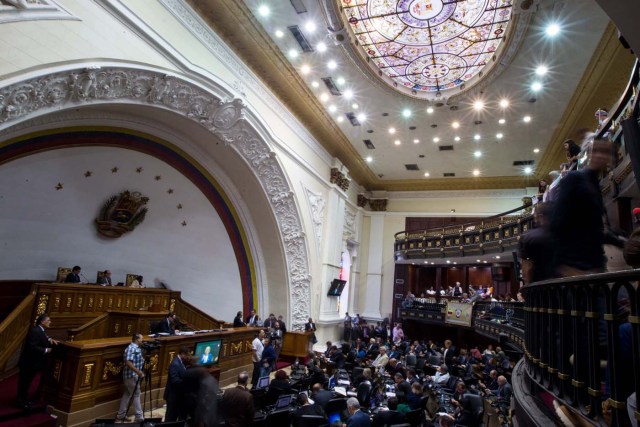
[502,121]
[430,110]
[478,105]
[340,119]
[333,108]
[279,34]
[305,69]
[552,29]
[332,65]
[499,136]
[541,70]
[477,260]
[476,172]
[406,113]
[348,94]
[397,142]
[536,150]
[448,262]
[321,47]
[341,81]
[436,139]
[426,174]
[455,125]
[362,117]
[528,170]
[293,53]
[310,26]
[315,84]
[392,130]
[477,137]
[369,159]
[504,103]
[477,154]
[354,106]
[456,139]
[484,262]
[536,86]
[416,141]
[432,263]
[264,10]
[497,256]
[324,97]
[526,119]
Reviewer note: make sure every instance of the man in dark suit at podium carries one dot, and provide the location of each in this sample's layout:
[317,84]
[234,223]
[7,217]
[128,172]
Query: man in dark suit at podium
[74,276]
[166,325]
[174,389]
[36,347]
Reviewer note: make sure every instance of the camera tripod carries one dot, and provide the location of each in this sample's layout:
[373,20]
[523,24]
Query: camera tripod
[146,380]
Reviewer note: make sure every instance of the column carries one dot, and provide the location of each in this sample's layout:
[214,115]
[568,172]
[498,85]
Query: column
[372,301]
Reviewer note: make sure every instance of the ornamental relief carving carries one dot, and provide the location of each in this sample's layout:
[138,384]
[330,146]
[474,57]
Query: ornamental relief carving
[317,205]
[349,229]
[226,119]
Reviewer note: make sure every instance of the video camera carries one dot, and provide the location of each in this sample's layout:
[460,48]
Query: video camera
[150,346]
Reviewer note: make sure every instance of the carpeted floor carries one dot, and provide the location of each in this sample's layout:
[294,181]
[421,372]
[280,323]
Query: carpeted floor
[10,416]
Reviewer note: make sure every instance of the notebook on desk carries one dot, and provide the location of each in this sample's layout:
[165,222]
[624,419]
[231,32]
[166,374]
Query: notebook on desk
[340,390]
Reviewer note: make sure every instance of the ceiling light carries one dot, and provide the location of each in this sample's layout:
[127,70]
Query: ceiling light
[499,136]
[392,130]
[362,117]
[456,139]
[341,81]
[436,139]
[406,113]
[477,154]
[321,47]
[310,26]
[315,84]
[432,263]
[476,172]
[416,141]
[536,150]
[397,142]
[455,262]
[354,106]
[279,34]
[497,256]
[536,86]
[324,97]
[484,262]
[264,10]
[504,103]
[552,30]
[430,110]
[476,137]
[528,170]
[455,125]
[305,69]
[348,94]
[369,159]
[332,108]
[340,119]
[293,53]
[502,121]
[478,105]
[426,174]
[332,65]
[477,260]
[448,262]
[541,70]
[526,119]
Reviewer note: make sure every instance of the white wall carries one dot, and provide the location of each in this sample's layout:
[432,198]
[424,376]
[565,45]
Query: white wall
[44,228]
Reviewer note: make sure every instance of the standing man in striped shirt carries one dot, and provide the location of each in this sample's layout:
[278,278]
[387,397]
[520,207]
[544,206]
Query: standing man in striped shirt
[132,375]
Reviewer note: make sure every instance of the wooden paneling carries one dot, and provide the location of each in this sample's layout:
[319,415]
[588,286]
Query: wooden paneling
[296,344]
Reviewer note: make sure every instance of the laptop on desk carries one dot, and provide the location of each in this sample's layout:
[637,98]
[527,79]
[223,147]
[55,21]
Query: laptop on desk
[284,401]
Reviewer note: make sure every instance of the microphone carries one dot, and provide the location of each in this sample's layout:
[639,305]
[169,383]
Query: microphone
[85,279]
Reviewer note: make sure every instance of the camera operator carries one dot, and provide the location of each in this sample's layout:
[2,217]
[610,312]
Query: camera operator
[132,375]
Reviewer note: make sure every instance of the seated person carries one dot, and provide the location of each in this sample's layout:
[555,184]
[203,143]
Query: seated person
[320,396]
[458,394]
[441,377]
[281,381]
[306,408]
[390,417]
[381,361]
[365,378]
[337,357]
[166,325]
[105,279]
[137,282]
[74,276]
[316,373]
[414,397]
[492,384]
[464,415]
[403,388]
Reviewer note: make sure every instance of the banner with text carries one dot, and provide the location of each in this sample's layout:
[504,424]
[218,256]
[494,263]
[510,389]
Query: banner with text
[459,313]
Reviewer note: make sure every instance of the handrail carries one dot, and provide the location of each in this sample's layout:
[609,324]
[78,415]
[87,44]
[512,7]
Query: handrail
[623,101]
[76,333]
[197,317]
[14,328]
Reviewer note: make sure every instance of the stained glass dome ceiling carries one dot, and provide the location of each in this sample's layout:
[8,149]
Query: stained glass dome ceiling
[429,46]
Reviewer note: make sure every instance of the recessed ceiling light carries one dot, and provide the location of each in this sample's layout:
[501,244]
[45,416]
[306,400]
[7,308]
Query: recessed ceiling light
[430,110]
[416,141]
[279,34]
[502,121]
[293,53]
[321,47]
[448,262]
[476,172]
[504,103]
[324,97]
[354,106]
[369,159]
[264,10]
[528,170]
[552,29]
[536,150]
[455,125]
[456,139]
[536,86]
[341,81]
[315,84]
[310,26]
[432,263]
[455,262]
[332,65]
[478,105]
[348,94]
[392,130]
[477,137]
[484,262]
[362,117]
[526,119]
[477,260]
[426,174]
[497,256]
[406,113]
[397,142]
[541,70]
[332,108]
[477,154]
[499,136]
[340,119]
[305,69]
[436,139]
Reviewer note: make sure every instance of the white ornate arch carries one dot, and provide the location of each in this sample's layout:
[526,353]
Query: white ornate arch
[225,118]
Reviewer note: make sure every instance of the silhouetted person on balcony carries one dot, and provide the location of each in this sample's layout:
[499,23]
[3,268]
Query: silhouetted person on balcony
[536,248]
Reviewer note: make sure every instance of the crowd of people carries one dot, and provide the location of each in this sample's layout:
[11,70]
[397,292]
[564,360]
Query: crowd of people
[104,278]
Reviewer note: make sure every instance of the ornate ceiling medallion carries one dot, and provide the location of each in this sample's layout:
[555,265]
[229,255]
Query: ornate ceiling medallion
[429,47]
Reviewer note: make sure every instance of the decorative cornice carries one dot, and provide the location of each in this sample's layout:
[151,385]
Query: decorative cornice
[339,179]
[378,205]
[487,183]
[79,87]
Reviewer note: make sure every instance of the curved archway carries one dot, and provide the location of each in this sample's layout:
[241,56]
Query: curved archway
[227,120]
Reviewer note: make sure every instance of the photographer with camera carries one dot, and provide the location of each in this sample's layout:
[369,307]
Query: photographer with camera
[132,375]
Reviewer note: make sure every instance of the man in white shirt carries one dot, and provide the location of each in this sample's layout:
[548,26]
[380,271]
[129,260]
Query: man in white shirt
[256,357]
[382,359]
[442,376]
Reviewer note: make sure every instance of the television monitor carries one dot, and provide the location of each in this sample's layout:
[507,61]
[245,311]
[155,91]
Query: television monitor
[263,382]
[334,417]
[284,401]
[208,352]
[336,288]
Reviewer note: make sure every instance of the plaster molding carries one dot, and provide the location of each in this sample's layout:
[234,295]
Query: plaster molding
[349,228]
[33,10]
[225,118]
[462,194]
[317,204]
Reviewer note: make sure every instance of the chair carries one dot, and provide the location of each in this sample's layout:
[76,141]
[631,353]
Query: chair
[414,418]
[62,273]
[272,395]
[258,397]
[363,394]
[336,406]
[420,365]
[312,421]
[450,386]
[278,418]
[411,360]
[477,407]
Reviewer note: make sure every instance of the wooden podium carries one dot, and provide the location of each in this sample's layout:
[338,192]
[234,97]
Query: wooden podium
[296,344]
